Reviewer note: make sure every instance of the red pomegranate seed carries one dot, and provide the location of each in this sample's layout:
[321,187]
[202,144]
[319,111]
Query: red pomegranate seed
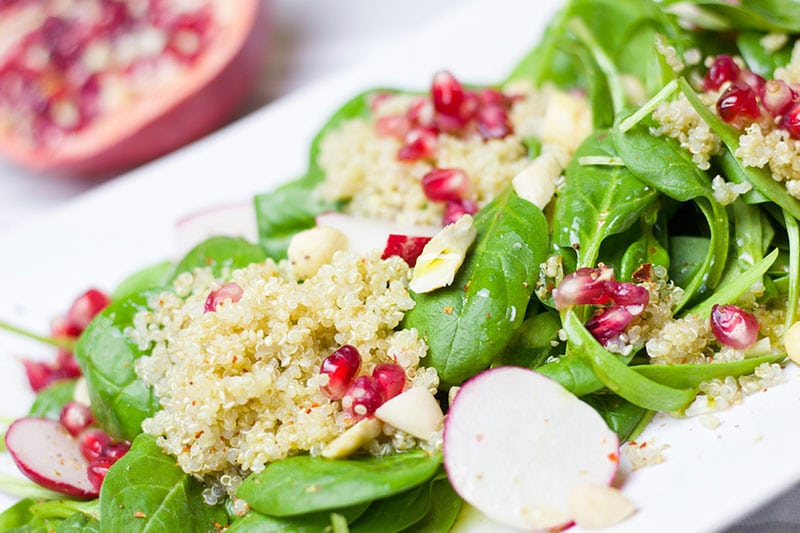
[363,397]
[341,367]
[76,417]
[391,377]
[447,94]
[722,69]
[93,443]
[405,246]
[733,326]
[97,470]
[790,121]
[493,122]
[39,374]
[632,297]
[608,322]
[449,123]
[64,40]
[85,308]
[59,327]
[585,286]
[752,79]
[228,291]
[455,209]
[738,105]
[422,113]
[776,97]
[489,96]
[115,450]
[66,365]
[376,100]
[420,143]
[393,126]
[443,184]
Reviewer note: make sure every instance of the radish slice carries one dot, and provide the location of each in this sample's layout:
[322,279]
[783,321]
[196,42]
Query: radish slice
[233,220]
[46,453]
[516,443]
[365,235]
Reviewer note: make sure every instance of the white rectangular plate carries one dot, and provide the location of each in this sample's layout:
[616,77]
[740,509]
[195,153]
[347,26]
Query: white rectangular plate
[710,477]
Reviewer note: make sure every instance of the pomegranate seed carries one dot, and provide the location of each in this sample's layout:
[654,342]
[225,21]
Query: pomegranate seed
[449,123]
[341,367]
[115,450]
[85,308]
[39,374]
[419,143]
[447,94]
[376,100]
[76,417]
[404,246]
[493,122]
[585,286]
[59,327]
[97,470]
[443,184]
[65,40]
[393,126]
[363,397]
[422,113]
[93,443]
[66,365]
[489,96]
[790,121]
[608,322]
[738,105]
[752,79]
[455,209]
[776,97]
[391,377]
[723,69]
[228,291]
[632,297]
[733,326]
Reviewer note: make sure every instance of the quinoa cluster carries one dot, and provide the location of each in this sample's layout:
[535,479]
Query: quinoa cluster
[239,387]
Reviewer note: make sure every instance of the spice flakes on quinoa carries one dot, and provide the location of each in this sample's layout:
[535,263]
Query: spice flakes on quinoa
[240,387]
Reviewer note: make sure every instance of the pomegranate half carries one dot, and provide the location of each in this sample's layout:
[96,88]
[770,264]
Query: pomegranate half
[93,87]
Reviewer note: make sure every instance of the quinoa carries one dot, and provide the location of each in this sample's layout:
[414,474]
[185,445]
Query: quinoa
[678,120]
[239,387]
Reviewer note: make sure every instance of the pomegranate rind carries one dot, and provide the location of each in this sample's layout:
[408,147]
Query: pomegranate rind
[183,110]
[517,442]
[46,453]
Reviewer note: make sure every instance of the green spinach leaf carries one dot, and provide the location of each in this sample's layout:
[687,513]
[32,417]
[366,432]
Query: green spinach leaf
[50,400]
[157,275]
[445,505]
[395,513]
[306,523]
[220,253]
[623,418]
[691,375]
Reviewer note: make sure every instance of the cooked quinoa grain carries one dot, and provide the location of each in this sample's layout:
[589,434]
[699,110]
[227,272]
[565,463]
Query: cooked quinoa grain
[239,387]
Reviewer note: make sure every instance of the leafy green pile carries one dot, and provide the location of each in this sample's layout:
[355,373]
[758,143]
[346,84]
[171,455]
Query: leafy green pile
[642,200]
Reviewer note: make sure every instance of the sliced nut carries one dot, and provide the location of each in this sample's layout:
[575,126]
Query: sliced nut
[537,182]
[414,411]
[567,121]
[791,341]
[441,258]
[595,506]
[354,438]
[312,248]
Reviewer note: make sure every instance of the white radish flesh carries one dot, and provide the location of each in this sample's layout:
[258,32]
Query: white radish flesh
[516,443]
[233,220]
[365,235]
[45,452]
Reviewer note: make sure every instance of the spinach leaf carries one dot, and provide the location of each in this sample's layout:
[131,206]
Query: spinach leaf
[468,324]
[758,59]
[220,253]
[687,257]
[79,523]
[305,484]
[623,418]
[445,505]
[17,515]
[690,375]
[120,400]
[156,275]
[793,292]
[50,400]
[395,513]
[763,15]
[146,491]
[597,201]
[306,523]
[573,373]
[532,342]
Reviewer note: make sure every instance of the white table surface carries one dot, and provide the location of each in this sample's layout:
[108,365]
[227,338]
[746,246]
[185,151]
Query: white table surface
[311,39]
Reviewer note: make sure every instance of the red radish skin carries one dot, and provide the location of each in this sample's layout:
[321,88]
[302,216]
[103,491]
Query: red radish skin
[199,101]
[517,463]
[45,452]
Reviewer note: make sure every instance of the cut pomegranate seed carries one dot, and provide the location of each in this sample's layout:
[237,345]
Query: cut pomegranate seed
[443,184]
[228,291]
[632,297]
[493,122]
[722,69]
[93,443]
[447,94]
[420,143]
[738,105]
[585,286]
[85,308]
[76,417]
[391,377]
[733,326]
[455,209]
[97,470]
[790,121]
[776,97]
[396,126]
[608,322]
[341,367]
[405,246]
[363,397]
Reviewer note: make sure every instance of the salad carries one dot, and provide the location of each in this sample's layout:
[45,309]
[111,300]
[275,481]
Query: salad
[611,222]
